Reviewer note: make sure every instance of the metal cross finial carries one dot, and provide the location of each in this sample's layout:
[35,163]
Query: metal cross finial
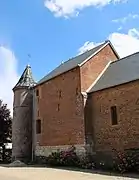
[29,57]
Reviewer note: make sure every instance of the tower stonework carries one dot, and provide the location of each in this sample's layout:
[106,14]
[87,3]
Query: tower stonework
[23,117]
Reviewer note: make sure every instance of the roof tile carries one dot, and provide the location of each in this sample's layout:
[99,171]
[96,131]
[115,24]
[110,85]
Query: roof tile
[119,72]
[72,63]
[26,80]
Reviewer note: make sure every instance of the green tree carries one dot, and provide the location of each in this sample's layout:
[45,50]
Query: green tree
[5,130]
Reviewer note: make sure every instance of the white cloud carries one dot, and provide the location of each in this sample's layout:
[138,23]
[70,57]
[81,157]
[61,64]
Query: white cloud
[126,18]
[124,44]
[87,45]
[68,8]
[8,75]
[120,28]
[134,33]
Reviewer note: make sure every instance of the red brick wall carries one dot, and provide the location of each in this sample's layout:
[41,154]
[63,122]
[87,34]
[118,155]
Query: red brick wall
[66,126]
[89,72]
[92,68]
[125,135]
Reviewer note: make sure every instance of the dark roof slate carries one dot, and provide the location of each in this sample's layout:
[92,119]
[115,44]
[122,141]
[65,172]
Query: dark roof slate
[119,72]
[26,79]
[72,63]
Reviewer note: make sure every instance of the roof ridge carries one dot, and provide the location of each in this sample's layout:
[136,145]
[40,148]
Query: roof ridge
[73,62]
[99,47]
[88,50]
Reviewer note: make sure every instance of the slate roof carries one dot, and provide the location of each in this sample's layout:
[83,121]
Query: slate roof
[26,79]
[72,63]
[119,72]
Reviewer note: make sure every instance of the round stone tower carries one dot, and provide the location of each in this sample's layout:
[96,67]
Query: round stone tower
[23,117]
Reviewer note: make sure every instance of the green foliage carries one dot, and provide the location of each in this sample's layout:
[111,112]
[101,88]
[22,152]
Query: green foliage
[5,131]
[7,155]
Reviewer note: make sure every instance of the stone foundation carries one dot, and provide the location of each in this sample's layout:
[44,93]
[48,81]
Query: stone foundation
[47,150]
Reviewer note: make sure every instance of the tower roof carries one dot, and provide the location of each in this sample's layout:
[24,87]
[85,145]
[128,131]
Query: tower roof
[26,79]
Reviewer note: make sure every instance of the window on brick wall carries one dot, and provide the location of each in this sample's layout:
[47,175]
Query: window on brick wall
[60,93]
[38,126]
[77,91]
[37,92]
[114,115]
[58,107]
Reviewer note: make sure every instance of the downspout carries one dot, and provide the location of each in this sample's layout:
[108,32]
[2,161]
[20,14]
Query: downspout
[33,124]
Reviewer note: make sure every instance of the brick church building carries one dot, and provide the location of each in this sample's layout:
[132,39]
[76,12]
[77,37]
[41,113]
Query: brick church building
[90,101]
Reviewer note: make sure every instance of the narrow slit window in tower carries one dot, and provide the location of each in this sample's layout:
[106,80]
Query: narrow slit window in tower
[114,115]
[58,107]
[37,92]
[60,94]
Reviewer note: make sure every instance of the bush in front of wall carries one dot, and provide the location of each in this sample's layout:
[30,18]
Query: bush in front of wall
[86,162]
[69,158]
[40,160]
[126,161]
[64,158]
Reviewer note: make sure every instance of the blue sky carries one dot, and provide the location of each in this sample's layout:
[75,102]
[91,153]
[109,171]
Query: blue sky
[52,31]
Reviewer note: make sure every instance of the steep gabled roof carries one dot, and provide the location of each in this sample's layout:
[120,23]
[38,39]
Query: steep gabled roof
[74,62]
[26,79]
[119,72]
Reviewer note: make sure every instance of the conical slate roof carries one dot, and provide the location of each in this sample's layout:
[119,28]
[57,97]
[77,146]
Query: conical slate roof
[26,80]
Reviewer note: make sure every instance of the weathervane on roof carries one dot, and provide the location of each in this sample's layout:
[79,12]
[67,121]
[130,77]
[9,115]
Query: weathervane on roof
[29,57]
